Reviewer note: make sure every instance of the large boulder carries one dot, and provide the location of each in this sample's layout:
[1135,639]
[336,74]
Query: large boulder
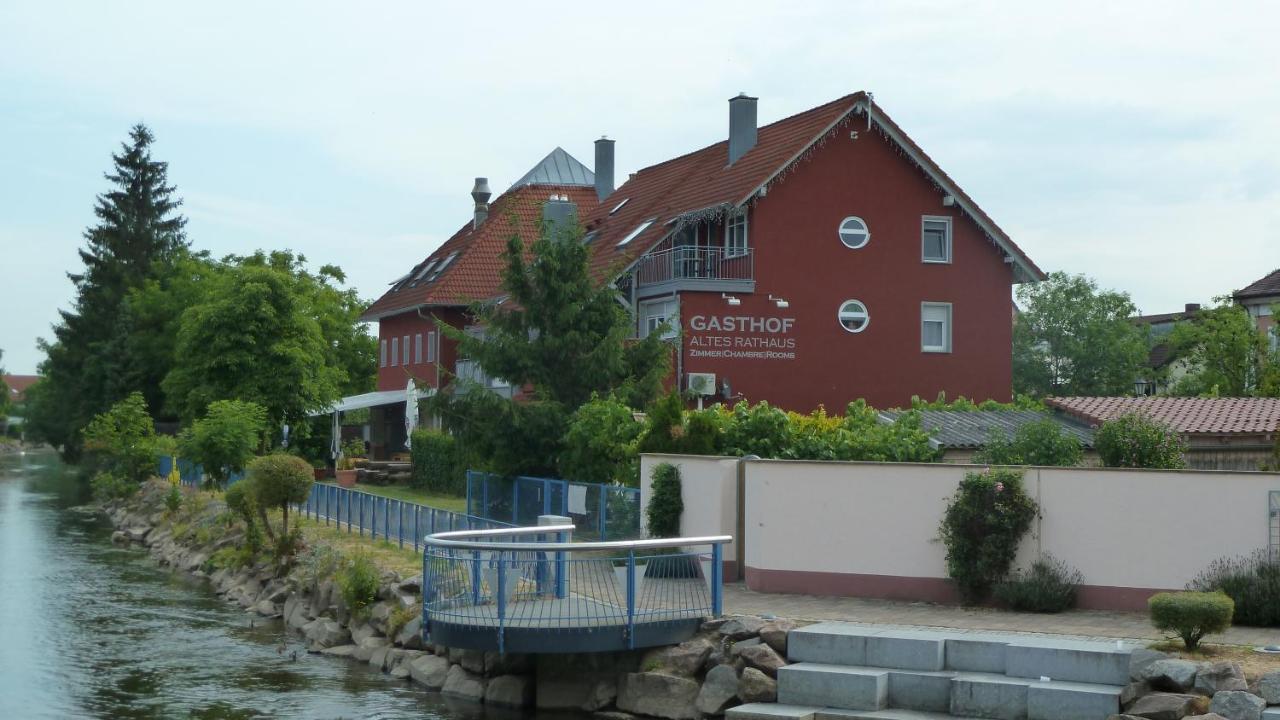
[1171,675]
[1132,692]
[754,686]
[719,690]
[775,632]
[325,633]
[340,651]
[1140,659]
[507,664]
[741,627]
[659,695]
[1167,706]
[1238,705]
[763,658]
[470,660]
[430,670]
[1219,676]
[684,659]
[587,681]
[461,684]
[365,648]
[410,636]
[1269,687]
[509,691]
[360,631]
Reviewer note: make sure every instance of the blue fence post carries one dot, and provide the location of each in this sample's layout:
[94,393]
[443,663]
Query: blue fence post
[426,594]
[502,604]
[386,520]
[546,497]
[417,513]
[562,579]
[361,519]
[631,599]
[484,496]
[475,576]
[604,508]
[328,504]
[470,511]
[717,581]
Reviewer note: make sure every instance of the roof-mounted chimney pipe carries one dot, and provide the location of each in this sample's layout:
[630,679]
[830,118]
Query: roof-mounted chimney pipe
[742,126]
[604,167]
[560,214]
[480,193]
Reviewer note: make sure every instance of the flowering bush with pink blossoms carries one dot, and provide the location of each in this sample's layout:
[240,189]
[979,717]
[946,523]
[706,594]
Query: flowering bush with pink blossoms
[984,522]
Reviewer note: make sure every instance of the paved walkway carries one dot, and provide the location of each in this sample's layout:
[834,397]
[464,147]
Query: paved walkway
[1079,623]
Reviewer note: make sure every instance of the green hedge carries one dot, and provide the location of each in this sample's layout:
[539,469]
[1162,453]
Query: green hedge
[1191,615]
[435,463]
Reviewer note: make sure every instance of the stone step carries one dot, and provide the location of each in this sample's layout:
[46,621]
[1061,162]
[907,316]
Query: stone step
[845,644]
[1056,700]
[920,690]
[890,714]
[988,695]
[770,711]
[1068,660]
[836,686]
[1271,713]
[977,653]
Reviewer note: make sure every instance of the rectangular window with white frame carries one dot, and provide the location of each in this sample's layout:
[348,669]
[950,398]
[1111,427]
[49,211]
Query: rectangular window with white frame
[382,354]
[935,327]
[935,239]
[417,349]
[405,348]
[735,235]
[431,346]
[656,312]
[395,351]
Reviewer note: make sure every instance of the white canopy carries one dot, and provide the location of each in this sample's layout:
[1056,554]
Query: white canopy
[367,400]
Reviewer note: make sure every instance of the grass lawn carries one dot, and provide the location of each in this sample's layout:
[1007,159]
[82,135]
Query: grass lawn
[386,555]
[422,497]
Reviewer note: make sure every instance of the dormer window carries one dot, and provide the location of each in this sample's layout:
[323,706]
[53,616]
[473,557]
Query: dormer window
[735,235]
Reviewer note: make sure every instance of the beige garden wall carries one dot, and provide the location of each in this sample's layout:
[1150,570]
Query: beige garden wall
[870,529]
[709,491]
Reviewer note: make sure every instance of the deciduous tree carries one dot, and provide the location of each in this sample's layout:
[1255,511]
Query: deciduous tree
[1225,353]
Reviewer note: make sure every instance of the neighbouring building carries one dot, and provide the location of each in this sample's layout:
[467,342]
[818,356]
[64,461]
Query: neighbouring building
[812,261]
[962,433]
[18,386]
[1162,369]
[1221,433]
[1259,298]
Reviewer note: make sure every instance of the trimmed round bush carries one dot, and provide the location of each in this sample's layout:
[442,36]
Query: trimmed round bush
[1191,615]
[279,480]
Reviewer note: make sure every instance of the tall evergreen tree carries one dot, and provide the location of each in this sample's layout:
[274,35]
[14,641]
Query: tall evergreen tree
[139,233]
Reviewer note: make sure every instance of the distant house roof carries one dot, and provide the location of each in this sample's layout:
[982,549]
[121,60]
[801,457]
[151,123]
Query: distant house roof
[960,429]
[18,385]
[1269,285]
[468,266]
[558,168]
[1188,416]
[702,184]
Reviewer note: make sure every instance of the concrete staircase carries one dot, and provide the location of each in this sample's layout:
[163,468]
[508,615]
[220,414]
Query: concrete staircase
[851,672]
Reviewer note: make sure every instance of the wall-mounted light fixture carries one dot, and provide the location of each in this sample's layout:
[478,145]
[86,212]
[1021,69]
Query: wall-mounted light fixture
[948,200]
[732,300]
[779,302]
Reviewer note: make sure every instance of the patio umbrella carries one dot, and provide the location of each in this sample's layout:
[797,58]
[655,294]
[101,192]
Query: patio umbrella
[335,444]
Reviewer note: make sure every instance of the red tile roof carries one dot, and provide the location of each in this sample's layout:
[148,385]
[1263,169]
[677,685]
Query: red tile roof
[701,181]
[476,272]
[18,385]
[1269,285]
[1186,415]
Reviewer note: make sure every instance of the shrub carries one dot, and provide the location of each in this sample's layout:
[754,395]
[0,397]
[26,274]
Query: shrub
[320,563]
[758,429]
[173,500]
[435,463]
[1043,442]
[600,444]
[1134,440]
[1048,587]
[1191,615]
[358,582]
[353,448]
[224,440]
[666,506]
[107,485]
[122,440]
[984,522]
[664,425]
[240,500]
[1252,582]
[279,480]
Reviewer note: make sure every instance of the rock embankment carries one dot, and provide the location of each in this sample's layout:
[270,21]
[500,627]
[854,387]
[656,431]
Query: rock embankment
[729,662]
[1168,688]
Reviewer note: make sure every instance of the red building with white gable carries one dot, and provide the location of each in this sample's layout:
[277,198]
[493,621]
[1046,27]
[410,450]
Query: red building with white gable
[812,261]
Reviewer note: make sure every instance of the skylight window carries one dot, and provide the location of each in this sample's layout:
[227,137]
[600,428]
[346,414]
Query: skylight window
[423,272]
[618,207]
[444,264]
[636,233]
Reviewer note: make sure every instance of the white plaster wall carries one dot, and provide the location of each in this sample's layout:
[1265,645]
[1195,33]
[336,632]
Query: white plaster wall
[709,490]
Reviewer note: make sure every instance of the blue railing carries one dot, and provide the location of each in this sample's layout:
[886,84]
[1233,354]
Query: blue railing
[386,518]
[529,589]
[601,512]
[190,474]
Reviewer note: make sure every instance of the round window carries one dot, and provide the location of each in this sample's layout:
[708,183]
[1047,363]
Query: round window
[854,233]
[853,316]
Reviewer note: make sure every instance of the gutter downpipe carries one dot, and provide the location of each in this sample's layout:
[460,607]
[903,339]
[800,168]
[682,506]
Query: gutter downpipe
[740,551]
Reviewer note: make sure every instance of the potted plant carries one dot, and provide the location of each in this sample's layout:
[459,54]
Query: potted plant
[320,469]
[346,472]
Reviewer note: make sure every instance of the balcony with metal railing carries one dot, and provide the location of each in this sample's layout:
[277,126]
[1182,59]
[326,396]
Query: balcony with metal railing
[532,590]
[696,268]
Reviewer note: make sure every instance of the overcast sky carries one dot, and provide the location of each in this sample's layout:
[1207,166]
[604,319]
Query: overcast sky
[1135,142]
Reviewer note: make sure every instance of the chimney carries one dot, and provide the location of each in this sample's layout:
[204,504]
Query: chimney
[480,193]
[742,126]
[604,167]
[560,215]
[1191,308]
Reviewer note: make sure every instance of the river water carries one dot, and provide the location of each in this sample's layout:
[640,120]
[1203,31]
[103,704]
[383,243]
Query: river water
[89,630]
